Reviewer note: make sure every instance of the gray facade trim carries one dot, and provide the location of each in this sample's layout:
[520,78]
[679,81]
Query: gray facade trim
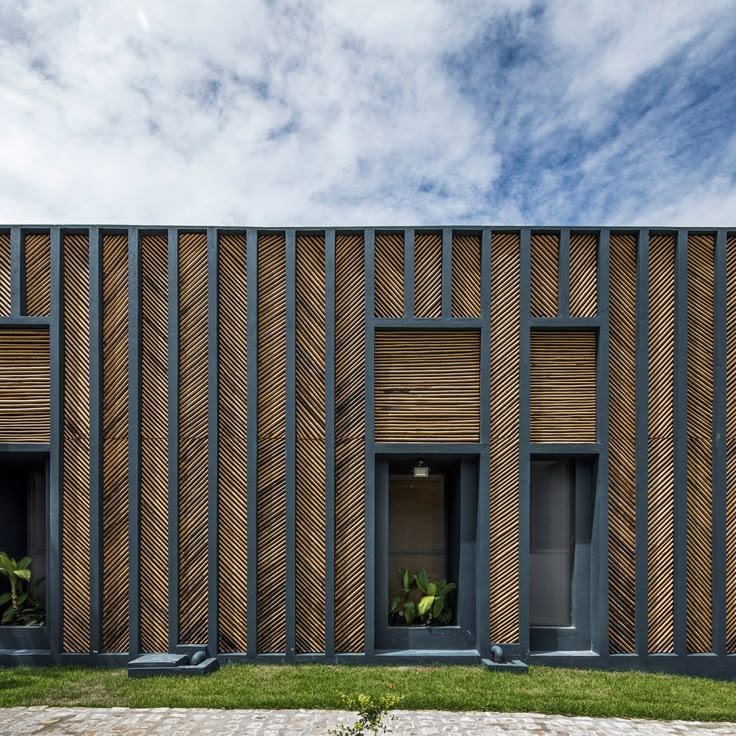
[17,273]
[447,272]
[563,274]
[409,273]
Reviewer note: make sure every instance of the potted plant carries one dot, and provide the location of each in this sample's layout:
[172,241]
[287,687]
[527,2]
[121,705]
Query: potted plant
[23,617]
[422,601]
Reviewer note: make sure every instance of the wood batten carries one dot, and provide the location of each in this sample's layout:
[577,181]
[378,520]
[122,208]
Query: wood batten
[37,249]
[76,554]
[115,443]
[621,444]
[562,386]
[505,437]
[465,275]
[428,275]
[731,445]
[350,408]
[154,559]
[310,443]
[232,418]
[700,364]
[4,275]
[24,385]
[661,444]
[192,438]
[583,274]
[389,286]
[427,386]
[544,269]
[271,563]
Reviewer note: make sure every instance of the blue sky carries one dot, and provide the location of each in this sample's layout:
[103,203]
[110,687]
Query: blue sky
[355,113]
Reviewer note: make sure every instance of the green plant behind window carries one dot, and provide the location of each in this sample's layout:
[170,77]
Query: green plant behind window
[24,609]
[422,601]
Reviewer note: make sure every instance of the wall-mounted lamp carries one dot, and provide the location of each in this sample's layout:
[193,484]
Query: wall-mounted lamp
[421,470]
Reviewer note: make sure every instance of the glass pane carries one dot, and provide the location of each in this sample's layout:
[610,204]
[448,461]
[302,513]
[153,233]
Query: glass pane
[551,543]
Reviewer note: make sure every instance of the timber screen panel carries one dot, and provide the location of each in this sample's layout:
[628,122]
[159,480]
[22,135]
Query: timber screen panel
[583,275]
[4,275]
[38,273]
[428,275]
[731,446]
[389,270]
[544,267]
[427,386]
[466,273]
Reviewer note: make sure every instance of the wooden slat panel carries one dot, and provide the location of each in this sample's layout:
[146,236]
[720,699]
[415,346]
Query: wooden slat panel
[38,274]
[115,443]
[271,565]
[154,561]
[700,316]
[192,438]
[562,387]
[310,444]
[544,267]
[427,386]
[24,385]
[349,443]
[428,275]
[505,437]
[76,461]
[4,275]
[621,444]
[389,270]
[465,275]
[583,275]
[661,444]
[232,458]
[731,447]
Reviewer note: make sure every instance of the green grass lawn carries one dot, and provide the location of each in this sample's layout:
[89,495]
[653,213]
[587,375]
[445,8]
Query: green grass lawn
[543,690]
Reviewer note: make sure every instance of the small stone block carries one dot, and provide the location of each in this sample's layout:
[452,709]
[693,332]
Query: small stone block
[204,668]
[515,665]
[159,660]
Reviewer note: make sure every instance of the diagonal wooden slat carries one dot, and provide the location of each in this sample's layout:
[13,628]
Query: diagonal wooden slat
[731,445]
[271,564]
[38,274]
[76,557]
[661,444]
[621,446]
[115,568]
[154,560]
[700,365]
[389,275]
[192,438]
[4,275]
[544,267]
[232,457]
[428,275]
[583,275]
[349,443]
[505,437]
[465,275]
[310,444]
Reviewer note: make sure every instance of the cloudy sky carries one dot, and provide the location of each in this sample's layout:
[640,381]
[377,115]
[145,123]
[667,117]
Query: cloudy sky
[331,112]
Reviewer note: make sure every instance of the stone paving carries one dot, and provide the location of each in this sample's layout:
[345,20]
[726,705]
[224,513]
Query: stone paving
[200,722]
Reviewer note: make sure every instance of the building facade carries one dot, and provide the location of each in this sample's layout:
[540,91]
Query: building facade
[209,437]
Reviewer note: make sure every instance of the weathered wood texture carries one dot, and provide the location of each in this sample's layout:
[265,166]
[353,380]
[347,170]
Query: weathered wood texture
[76,559]
[4,275]
[349,442]
[700,316]
[38,274]
[427,386]
[192,438]
[271,564]
[465,275]
[154,524]
[544,268]
[505,437]
[232,455]
[428,275]
[115,443]
[583,275]
[621,444]
[562,386]
[310,444]
[731,447]
[24,385]
[661,444]
[389,270]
